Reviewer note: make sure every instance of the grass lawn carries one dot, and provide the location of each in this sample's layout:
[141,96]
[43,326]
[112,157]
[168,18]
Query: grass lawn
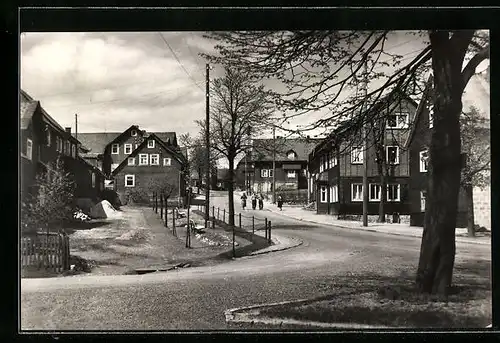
[393,301]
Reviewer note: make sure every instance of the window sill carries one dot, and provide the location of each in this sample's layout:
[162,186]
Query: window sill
[356,162]
[423,171]
[356,200]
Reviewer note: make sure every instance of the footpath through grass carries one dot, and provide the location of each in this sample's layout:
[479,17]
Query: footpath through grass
[393,301]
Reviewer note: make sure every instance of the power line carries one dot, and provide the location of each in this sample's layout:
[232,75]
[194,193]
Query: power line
[178,61]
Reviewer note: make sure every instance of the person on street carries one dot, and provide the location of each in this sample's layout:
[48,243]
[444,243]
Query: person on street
[280,202]
[244,201]
[254,201]
[261,201]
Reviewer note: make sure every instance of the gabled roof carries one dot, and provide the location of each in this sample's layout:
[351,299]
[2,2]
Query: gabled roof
[117,138]
[27,109]
[26,98]
[167,137]
[262,149]
[96,142]
[179,157]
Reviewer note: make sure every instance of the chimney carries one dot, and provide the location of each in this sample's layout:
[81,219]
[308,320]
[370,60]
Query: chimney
[68,129]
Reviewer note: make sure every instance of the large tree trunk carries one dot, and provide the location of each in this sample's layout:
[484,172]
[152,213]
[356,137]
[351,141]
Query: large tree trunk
[437,254]
[230,190]
[469,198]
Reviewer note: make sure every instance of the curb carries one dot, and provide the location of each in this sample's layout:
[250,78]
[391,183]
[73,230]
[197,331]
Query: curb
[373,230]
[232,316]
[294,245]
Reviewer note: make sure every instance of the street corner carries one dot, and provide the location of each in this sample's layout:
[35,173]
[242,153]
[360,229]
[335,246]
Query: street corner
[279,244]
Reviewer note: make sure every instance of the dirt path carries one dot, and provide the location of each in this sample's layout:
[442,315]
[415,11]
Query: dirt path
[138,239]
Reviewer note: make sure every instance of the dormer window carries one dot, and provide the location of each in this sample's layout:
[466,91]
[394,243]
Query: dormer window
[398,120]
[151,143]
[133,133]
[291,155]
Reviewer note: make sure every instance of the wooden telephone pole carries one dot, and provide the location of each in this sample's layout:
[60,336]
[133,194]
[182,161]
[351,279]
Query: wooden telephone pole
[364,133]
[207,138]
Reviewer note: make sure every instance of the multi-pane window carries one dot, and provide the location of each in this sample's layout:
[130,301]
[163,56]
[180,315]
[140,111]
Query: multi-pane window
[291,155]
[115,149]
[29,149]
[398,120]
[322,159]
[291,174]
[374,192]
[151,143]
[93,180]
[423,195]
[131,161]
[392,154]
[323,194]
[143,159]
[393,192]
[357,192]
[127,149]
[49,137]
[332,161]
[167,161]
[154,159]
[129,180]
[424,159]
[133,133]
[334,194]
[266,173]
[357,155]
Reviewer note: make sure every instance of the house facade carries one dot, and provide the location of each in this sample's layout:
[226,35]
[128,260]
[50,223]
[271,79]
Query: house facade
[290,165]
[336,164]
[477,95]
[152,161]
[43,143]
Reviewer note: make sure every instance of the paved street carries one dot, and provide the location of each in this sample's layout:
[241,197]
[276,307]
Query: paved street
[196,298]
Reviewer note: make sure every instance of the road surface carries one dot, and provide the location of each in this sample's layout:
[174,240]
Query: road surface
[196,298]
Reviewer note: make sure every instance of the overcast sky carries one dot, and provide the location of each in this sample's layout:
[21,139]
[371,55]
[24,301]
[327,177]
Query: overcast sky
[114,80]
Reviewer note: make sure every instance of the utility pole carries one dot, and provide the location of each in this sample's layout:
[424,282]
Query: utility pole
[364,134]
[207,138]
[76,126]
[274,164]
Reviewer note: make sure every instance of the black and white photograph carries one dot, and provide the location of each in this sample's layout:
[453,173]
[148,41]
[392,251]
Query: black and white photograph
[254,180]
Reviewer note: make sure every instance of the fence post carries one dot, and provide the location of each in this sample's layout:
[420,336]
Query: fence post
[266,228]
[239,217]
[153,201]
[234,248]
[156,202]
[213,212]
[253,225]
[218,212]
[166,211]
[224,215]
[173,222]
[269,235]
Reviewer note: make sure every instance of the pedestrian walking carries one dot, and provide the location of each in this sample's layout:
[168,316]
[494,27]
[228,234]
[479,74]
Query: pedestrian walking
[280,202]
[243,201]
[254,201]
[261,202]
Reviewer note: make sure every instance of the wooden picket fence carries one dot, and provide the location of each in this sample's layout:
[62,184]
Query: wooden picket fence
[45,252]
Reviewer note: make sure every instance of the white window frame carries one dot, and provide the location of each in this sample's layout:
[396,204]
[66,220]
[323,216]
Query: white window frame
[423,198]
[323,191]
[264,173]
[141,157]
[423,165]
[321,163]
[29,149]
[291,155]
[156,157]
[431,116]
[357,151]
[133,133]
[133,180]
[115,149]
[398,198]
[387,154]
[334,193]
[378,192]
[332,162]
[165,159]
[357,185]
[93,179]
[151,143]
[291,171]
[270,172]
[131,161]
[127,149]
[398,115]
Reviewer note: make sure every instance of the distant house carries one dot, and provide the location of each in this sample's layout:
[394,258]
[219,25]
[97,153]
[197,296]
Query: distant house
[110,150]
[153,159]
[476,94]
[336,164]
[43,142]
[291,159]
[222,178]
